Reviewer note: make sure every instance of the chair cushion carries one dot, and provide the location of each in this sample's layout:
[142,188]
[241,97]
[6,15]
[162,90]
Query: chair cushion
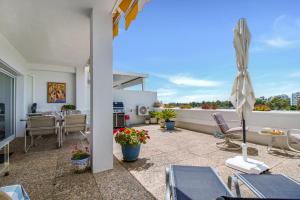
[199,183]
[273,185]
[221,122]
[234,130]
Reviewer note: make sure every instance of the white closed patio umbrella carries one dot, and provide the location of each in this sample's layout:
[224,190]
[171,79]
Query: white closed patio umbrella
[242,95]
[243,98]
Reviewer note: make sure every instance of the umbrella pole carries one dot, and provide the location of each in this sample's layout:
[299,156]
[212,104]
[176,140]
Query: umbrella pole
[244,144]
[244,130]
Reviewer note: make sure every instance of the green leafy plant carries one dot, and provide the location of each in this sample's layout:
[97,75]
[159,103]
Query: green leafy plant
[169,106]
[68,107]
[159,115]
[80,153]
[131,136]
[186,106]
[168,114]
[277,103]
[153,114]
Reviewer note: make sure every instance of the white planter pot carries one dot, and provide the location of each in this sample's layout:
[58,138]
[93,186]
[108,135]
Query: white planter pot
[153,120]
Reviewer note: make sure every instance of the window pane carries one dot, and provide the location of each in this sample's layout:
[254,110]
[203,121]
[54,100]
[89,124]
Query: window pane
[6,107]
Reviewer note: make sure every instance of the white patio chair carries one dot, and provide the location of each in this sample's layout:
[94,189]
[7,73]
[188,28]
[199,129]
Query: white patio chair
[74,123]
[293,137]
[39,126]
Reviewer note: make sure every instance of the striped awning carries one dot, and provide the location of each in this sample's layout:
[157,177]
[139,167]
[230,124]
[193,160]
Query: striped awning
[129,9]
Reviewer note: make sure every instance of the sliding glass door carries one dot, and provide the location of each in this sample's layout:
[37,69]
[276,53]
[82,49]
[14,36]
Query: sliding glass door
[7,107]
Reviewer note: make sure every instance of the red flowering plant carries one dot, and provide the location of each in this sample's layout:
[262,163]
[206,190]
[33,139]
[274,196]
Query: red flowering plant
[131,136]
[80,153]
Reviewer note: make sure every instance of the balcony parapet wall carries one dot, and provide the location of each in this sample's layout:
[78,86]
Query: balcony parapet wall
[201,121]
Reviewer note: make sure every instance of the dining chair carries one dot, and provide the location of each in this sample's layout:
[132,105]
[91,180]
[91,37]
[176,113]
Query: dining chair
[39,126]
[73,123]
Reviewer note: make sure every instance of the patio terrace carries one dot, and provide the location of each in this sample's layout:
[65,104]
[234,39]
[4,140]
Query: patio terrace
[46,172]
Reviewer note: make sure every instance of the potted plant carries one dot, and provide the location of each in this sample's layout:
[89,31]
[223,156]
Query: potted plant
[80,159]
[153,117]
[161,120]
[130,140]
[66,108]
[168,115]
[147,120]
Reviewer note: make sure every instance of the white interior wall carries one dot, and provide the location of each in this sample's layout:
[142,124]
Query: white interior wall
[82,89]
[41,78]
[132,99]
[10,55]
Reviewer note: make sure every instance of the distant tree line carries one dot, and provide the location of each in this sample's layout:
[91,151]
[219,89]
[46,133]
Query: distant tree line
[275,103]
[204,104]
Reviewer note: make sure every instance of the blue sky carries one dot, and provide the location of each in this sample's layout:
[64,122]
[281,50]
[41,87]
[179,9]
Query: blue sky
[186,47]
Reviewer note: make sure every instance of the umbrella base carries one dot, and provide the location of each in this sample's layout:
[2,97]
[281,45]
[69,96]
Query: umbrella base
[249,166]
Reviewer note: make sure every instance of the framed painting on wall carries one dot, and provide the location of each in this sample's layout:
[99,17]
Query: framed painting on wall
[56,92]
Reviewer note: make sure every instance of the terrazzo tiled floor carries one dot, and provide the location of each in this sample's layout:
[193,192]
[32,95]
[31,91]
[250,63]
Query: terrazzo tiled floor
[46,173]
[186,147]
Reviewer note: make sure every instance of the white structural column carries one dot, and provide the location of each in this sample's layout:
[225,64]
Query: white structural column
[101,90]
[80,88]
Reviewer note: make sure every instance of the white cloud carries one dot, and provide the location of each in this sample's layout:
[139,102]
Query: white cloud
[285,33]
[192,98]
[193,82]
[183,95]
[187,80]
[197,98]
[165,92]
[280,43]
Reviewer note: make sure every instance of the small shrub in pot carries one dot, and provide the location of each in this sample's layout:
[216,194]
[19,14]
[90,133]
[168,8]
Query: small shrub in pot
[153,117]
[168,115]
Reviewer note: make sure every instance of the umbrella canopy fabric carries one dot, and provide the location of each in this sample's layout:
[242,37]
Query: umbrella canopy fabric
[242,95]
